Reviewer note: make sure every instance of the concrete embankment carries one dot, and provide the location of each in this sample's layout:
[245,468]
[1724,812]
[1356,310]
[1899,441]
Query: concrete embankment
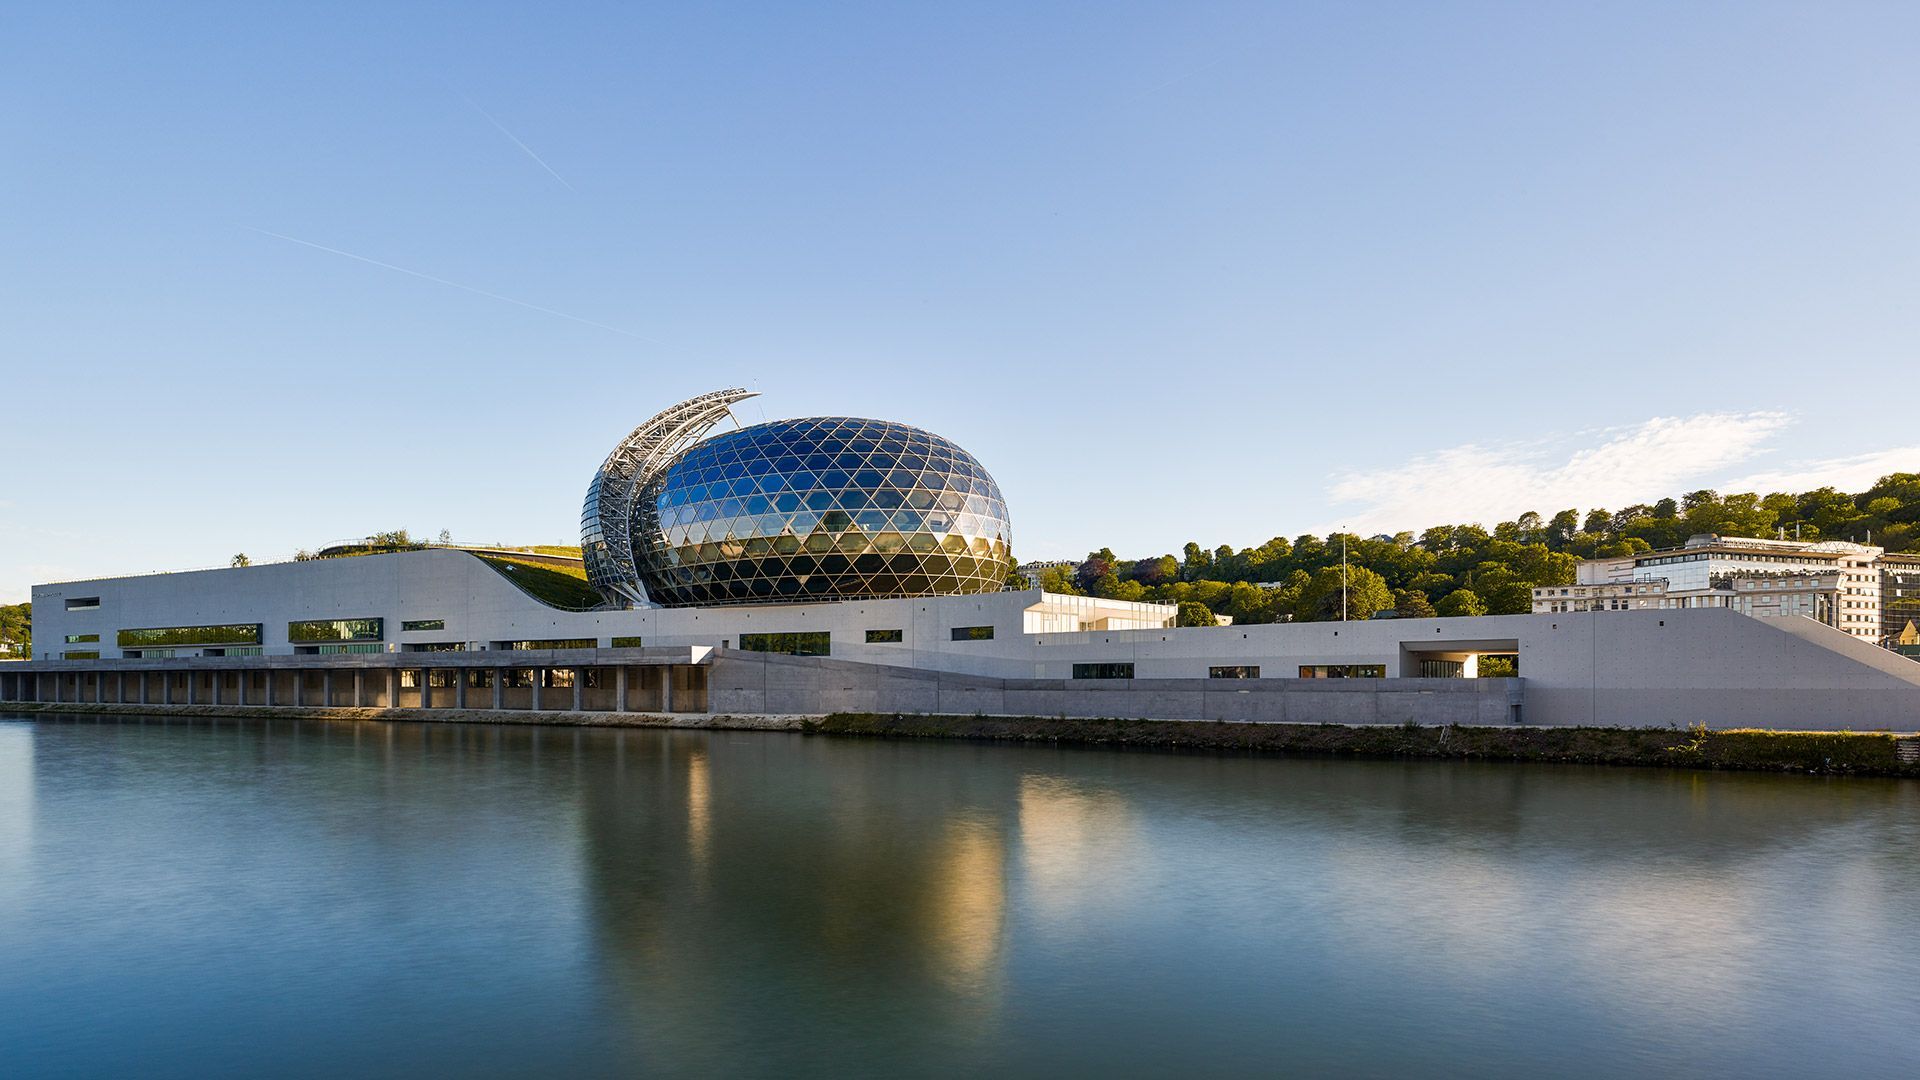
[545,718]
[1819,752]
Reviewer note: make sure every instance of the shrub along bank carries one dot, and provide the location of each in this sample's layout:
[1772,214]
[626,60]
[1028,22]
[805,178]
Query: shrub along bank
[1851,753]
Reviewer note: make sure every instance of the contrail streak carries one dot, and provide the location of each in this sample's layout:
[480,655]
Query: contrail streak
[444,281]
[528,150]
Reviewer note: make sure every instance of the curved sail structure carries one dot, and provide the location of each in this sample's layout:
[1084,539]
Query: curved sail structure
[607,520]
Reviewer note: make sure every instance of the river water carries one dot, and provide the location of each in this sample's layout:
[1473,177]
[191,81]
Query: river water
[300,898]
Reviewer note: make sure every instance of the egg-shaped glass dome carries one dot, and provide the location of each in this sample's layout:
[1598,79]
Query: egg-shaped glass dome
[822,508]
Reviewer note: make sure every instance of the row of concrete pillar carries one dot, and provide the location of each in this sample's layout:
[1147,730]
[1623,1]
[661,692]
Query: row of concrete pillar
[362,688]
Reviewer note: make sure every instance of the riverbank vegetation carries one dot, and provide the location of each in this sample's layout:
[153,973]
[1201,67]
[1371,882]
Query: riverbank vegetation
[1468,569]
[1852,753]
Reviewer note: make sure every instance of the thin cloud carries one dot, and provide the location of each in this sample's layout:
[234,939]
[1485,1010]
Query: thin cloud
[1489,483]
[444,281]
[524,148]
[1848,474]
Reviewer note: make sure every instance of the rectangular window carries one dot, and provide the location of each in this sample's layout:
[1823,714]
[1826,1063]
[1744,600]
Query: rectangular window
[804,643]
[480,678]
[336,630]
[885,637]
[160,636]
[410,625]
[549,643]
[626,643]
[973,633]
[79,639]
[332,650]
[80,654]
[147,654]
[1343,671]
[1442,669]
[1242,672]
[83,603]
[434,646]
[1103,671]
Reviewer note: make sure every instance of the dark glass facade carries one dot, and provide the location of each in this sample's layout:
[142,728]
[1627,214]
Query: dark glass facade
[336,630]
[155,636]
[803,643]
[823,508]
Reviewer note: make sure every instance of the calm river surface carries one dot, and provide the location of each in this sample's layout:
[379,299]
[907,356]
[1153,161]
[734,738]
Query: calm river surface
[293,898]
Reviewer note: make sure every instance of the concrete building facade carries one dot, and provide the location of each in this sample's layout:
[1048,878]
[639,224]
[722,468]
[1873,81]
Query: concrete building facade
[442,629]
[1843,585]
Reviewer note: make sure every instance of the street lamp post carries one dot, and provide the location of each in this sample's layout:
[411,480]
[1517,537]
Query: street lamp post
[1343,577]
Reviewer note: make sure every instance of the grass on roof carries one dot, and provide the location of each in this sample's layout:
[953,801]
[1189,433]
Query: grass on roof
[557,586]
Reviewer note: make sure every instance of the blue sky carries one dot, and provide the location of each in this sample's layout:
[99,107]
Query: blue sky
[1213,272]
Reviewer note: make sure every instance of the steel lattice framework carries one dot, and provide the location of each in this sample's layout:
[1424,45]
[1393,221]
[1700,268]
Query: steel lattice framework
[607,521]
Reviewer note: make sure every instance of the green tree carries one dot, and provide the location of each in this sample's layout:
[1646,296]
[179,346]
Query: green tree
[1097,565]
[1060,579]
[16,627]
[1197,562]
[1412,604]
[1193,614]
[241,560]
[1108,586]
[1497,667]
[1160,571]
[1461,602]
[1366,593]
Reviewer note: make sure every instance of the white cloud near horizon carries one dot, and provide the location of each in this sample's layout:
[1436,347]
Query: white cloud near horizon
[1849,474]
[1497,482]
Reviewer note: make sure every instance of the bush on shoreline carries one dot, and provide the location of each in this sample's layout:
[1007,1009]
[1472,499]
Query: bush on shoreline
[1849,753]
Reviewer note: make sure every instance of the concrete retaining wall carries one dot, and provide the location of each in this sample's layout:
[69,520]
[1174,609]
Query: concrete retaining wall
[769,683]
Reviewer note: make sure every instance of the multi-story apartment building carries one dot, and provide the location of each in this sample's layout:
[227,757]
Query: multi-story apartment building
[1032,571]
[1613,596]
[1900,596]
[1844,585]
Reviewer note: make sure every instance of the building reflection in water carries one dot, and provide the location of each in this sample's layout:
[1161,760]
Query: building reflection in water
[699,817]
[1072,837]
[16,813]
[969,898]
[756,895]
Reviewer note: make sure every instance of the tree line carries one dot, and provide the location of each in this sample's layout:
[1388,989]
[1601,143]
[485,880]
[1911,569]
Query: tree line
[1468,569]
[16,626]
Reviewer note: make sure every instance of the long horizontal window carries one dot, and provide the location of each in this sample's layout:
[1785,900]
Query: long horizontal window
[884,637]
[1343,671]
[82,603]
[331,650]
[336,630]
[550,643]
[1234,672]
[1103,671]
[80,654]
[804,643]
[162,636]
[423,624]
[626,643]
[76,639]
[435,646]
[973,633]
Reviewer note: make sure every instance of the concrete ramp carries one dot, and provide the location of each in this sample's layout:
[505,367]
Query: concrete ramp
[1714,667]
